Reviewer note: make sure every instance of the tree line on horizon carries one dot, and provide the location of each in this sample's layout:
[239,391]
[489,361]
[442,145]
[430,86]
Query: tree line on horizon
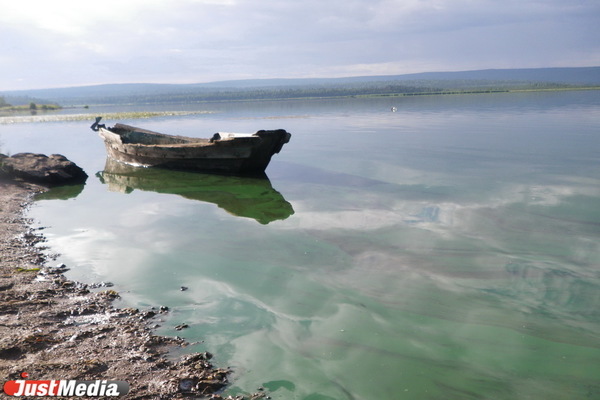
[195,95]
[148,95]
[28,105]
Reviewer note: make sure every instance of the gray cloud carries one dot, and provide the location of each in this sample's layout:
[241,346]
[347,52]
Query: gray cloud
[68,42]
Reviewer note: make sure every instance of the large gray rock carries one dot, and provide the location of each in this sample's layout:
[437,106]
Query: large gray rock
[49,170]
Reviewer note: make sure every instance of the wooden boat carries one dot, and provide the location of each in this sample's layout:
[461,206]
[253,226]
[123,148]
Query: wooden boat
[236,153]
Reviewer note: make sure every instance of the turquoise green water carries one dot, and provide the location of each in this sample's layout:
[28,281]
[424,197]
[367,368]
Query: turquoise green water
[449,250]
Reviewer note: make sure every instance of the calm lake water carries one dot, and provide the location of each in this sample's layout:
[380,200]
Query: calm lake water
[449,250]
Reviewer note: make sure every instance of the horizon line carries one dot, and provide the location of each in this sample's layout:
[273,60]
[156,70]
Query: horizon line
[290,78]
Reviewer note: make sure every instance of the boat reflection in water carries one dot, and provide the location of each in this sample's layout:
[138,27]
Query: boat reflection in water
[243,196]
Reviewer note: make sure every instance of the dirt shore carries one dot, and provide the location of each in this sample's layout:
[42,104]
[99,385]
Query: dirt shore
[53,328]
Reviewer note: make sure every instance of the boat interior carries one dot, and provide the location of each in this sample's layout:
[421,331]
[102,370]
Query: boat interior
[133,135]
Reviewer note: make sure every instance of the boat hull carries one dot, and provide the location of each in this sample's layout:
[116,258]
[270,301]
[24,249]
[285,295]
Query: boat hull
[248,154]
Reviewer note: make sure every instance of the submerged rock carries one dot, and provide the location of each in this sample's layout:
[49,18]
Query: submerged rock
[181,326]
[39,168]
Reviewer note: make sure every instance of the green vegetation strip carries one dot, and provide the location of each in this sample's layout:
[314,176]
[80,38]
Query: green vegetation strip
[30,107]
[21,269]
[14,119]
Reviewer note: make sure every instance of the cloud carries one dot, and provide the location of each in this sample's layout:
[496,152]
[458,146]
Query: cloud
[68,42]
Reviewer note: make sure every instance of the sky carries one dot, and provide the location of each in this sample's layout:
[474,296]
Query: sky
[62,43]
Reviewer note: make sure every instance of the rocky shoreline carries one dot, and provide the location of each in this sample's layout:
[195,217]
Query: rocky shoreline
[53,328]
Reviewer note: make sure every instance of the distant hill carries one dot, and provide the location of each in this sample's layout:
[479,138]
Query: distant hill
[580,75]
[421,83]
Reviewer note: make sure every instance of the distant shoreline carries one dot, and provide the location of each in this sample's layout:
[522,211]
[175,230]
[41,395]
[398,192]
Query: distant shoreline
[276,94]
[23,111]
[416,84]
[374,95]
[31,107]
[467,92]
